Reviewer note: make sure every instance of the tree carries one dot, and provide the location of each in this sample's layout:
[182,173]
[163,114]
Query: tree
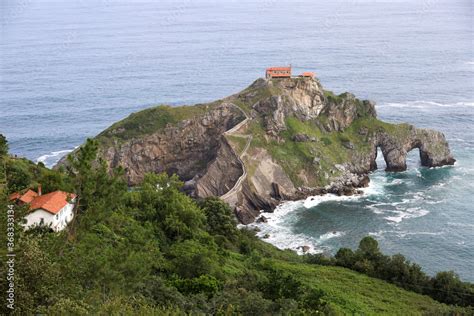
[191,259]
[160,201]
[18,176]
[369,248]
[91,178]
[219,218]
[3,146]
[345,257]
[447,287]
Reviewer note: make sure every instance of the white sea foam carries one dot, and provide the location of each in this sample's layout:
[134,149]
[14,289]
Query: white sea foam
[403,234]
[50,159]
[278,228]
[395,182]
[330,235]
[412,212]
[425,104]
[463,225]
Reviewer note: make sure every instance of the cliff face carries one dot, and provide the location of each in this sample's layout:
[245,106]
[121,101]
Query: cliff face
[276,140]
[186,148]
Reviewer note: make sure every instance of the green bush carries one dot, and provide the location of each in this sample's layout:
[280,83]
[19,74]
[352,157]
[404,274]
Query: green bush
[206,284]
[190,259]
[326,141]
[445,287]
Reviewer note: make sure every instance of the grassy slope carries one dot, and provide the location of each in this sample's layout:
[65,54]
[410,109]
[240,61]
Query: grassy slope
[151,120]
[354,293]
[348,292]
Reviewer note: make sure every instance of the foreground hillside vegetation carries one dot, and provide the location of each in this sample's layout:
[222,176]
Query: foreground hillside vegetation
[155,251]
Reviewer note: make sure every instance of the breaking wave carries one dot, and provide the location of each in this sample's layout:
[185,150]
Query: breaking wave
[412,212]
[52,158]
[425,104]
[278,231]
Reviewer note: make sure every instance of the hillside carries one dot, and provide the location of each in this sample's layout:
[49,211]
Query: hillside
[278,139]
[155,251]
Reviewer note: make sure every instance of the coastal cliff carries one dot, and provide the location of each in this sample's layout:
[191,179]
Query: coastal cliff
[279,139]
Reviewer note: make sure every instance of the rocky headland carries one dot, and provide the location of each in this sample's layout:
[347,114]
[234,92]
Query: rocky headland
[279,139]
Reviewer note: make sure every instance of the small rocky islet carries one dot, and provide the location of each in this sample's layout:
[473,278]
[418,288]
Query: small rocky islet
[278,139]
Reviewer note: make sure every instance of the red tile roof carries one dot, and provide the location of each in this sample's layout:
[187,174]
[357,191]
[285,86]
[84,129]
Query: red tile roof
[308,74]
[52,202]
[14,196]
[279,69]
[26,197]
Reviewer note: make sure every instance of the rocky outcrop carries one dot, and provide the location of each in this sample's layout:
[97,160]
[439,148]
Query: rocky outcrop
[433,147]
[188,149]
[303,99]
[212,182]
[279,139]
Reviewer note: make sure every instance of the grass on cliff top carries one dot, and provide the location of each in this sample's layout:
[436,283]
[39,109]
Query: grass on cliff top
[152,120]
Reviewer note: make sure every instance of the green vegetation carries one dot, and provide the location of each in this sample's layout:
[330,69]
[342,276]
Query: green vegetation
[331,97]
[3,158]
[151,120]
[237,142]
[248,97]
[155,251]
[445,287]
[22,173]
[330,147]
[3,146]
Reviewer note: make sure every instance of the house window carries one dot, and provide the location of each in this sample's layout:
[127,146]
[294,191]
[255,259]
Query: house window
[41,221]
[57,216]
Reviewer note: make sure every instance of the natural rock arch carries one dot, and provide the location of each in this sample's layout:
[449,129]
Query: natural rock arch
[433,147]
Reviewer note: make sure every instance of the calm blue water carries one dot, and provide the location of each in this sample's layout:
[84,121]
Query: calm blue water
[70,69]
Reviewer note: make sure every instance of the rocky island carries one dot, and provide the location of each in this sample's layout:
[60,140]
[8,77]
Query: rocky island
[279,139]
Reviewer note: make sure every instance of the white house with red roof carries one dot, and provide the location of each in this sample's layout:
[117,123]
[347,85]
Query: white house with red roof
[55,209]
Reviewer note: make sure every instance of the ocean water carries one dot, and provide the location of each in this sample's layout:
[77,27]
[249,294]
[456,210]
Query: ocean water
[69,69]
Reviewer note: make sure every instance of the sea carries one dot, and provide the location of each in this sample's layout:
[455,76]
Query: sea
[69,69]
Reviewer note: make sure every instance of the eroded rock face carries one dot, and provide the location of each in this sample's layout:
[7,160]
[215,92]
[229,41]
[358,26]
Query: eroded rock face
[306,100]
[300,98]
[187,149]
[434,149]
[213,182]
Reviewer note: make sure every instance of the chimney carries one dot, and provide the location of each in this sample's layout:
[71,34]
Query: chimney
[39,189]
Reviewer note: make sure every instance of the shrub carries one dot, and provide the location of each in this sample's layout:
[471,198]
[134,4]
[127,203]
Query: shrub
[326,141]
[206,284]
[219,218]
[281,285]
[344,139]
[345,257]
[190,259]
